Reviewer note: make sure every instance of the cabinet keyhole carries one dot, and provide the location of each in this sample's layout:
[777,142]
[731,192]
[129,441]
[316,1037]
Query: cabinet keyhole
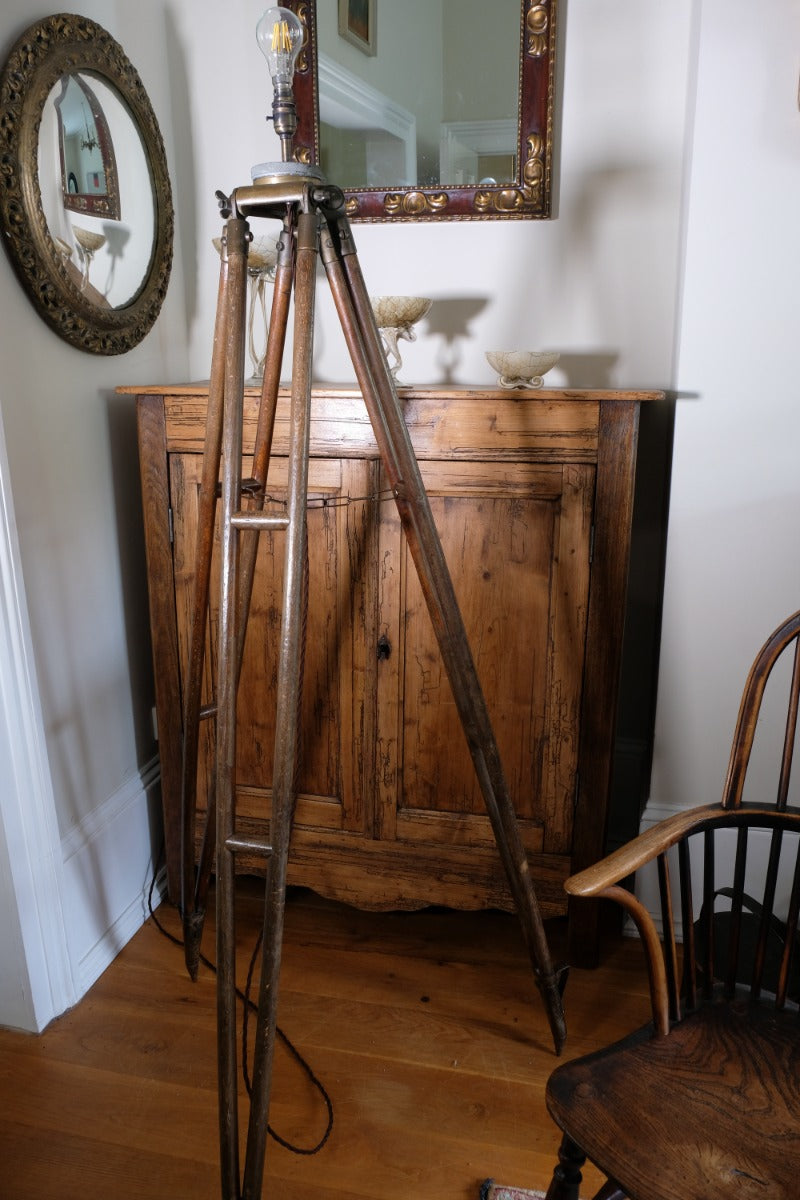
[384,646]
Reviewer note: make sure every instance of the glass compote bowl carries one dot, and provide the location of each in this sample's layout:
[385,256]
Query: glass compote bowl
[262,259]
[396,317]
[89,243]
[521,368]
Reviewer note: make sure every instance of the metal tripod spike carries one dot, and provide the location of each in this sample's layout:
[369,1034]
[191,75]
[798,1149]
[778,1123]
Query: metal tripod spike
[314,221]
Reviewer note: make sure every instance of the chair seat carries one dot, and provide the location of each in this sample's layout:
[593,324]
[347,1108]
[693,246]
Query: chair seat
[711,1112]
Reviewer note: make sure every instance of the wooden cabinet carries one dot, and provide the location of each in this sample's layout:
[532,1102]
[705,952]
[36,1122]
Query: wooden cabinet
[531,494]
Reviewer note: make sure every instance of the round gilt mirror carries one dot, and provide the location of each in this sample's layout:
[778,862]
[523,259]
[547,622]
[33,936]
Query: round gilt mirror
[85,203]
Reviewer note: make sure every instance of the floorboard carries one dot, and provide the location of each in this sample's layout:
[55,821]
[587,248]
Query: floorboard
[424,1028]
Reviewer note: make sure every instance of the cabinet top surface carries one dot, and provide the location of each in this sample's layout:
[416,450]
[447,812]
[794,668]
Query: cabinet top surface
[468,423]
[420,393]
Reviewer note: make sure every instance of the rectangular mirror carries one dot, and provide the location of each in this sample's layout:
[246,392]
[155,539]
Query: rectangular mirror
[430,109]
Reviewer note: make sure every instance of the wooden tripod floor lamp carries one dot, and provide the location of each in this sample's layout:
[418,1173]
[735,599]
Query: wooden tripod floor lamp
[314,225]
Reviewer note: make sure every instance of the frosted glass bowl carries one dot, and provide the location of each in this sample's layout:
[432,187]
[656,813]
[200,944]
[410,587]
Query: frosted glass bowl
[399,312]
[521,368]
[396,317]
[87,239]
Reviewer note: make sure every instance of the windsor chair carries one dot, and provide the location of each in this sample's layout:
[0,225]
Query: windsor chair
[704,1102]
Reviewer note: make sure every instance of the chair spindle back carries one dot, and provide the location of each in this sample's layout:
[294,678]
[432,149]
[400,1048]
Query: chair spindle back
[711,960]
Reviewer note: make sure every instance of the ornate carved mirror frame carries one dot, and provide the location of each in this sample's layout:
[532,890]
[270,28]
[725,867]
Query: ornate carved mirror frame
[529,195]
[57,46]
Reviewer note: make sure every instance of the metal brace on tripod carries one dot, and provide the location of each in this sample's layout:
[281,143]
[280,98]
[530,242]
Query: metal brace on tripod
[315,226]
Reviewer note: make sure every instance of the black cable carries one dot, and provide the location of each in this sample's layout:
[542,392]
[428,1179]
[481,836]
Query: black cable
[249,1005]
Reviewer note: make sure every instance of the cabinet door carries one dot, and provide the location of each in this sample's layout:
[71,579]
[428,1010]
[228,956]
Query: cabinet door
[337,718]
[517,541]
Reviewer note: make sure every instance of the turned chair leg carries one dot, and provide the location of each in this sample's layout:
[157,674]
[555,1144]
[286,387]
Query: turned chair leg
[567,1175]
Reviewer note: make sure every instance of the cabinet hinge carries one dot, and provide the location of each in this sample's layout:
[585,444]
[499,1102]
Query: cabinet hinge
[171,524]
[591,544]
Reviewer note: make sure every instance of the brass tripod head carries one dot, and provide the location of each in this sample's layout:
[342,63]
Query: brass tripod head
[280,36]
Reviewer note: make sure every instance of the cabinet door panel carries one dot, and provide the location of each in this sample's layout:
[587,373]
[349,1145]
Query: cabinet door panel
[335,773]
[516,539]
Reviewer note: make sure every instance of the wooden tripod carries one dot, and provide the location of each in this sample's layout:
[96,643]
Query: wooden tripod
[314,224]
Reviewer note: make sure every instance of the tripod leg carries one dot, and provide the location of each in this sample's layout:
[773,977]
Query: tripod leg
[193,924]
[380,395]
[207,500]
[292,638]
[282,290]
[226,710]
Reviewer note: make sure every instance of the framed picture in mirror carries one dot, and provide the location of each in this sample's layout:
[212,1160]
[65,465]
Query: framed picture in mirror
[357,24]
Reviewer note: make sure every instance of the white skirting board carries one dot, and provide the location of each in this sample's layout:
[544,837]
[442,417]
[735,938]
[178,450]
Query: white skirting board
[36,981]
[108,869]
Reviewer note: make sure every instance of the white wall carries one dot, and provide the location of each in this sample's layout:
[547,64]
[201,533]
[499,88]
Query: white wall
[733,564]
[73,471]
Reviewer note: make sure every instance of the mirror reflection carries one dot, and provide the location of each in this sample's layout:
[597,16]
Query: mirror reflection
[96,189]
[88,166]
[433,101]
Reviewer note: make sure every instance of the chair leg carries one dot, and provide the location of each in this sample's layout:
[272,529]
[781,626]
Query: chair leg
[567,1175]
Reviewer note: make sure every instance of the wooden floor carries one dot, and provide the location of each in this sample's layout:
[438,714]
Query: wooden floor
[425,1028]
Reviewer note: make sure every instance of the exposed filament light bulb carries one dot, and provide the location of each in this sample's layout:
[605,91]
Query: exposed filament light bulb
[280,37]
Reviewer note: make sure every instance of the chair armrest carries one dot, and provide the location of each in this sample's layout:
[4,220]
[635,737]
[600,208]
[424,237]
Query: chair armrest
[641,850]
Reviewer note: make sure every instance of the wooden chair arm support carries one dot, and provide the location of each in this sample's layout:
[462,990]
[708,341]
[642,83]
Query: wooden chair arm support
[654,954]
